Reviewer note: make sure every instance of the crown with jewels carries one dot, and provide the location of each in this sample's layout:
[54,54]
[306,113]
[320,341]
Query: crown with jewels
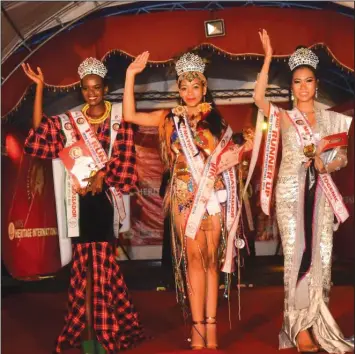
[303,56]
[189,62]
[92,66]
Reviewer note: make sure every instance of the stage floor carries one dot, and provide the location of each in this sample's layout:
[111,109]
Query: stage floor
[32,320]
[33,312]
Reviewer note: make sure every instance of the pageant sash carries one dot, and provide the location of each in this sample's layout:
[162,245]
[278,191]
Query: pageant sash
[230,181]
[229,158]
[71,197]
[90,139]
[100,157]
[206,181]
[233,238]
[307,139]
[194,160]
[270,158]
[205,187]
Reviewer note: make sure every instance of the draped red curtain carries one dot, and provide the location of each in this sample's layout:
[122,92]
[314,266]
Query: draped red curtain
[167,34]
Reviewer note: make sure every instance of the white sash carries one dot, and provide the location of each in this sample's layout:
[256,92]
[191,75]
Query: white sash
[100,157]
[270,158]
[118,200]
[71,197]
[230,180]
[229,266]
[90,139]
[63,210]
[196,165]
[205,187]
[306,136]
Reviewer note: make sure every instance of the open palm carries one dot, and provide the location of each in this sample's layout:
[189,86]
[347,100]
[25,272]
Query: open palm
[138,65]
[37,78]
[265,40]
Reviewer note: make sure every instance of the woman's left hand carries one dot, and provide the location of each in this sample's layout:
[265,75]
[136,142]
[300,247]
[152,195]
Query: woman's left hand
[319,165]
[95,182]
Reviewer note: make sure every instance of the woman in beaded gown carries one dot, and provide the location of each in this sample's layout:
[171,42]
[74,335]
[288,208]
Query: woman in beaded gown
[196,260]
[304,213]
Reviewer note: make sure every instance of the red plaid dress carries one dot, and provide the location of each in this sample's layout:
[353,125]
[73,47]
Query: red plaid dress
[49,139]
[115,321]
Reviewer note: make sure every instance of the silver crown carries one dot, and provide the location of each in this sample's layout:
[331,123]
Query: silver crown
[189,62]
[92,66]
[303,56]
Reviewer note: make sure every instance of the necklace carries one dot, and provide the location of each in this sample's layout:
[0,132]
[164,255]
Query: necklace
[97,120]
[305,114]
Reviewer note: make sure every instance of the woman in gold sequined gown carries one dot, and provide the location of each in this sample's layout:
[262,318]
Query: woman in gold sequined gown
[196,260]
[308,323]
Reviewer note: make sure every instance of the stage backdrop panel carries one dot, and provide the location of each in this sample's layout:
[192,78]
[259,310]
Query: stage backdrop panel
[29,225]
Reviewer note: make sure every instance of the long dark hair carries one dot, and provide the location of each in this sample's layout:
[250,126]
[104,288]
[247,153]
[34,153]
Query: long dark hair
[216,122]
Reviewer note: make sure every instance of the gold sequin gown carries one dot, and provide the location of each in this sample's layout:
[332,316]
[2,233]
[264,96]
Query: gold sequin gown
[306,305]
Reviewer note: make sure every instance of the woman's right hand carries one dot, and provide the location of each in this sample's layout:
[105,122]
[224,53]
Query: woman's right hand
[139,64]
[265,41]
[37,78]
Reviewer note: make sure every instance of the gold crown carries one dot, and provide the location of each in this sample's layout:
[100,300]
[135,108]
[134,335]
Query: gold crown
[303,56]
[189,62]
[92,66]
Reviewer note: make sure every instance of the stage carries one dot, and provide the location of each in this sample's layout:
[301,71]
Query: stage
[33,314]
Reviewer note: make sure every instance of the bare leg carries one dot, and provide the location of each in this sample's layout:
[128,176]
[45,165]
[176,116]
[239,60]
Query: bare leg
[197,263]
[213,238]
[197,258]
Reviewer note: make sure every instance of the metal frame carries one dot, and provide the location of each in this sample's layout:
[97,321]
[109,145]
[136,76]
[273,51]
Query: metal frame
[68,25]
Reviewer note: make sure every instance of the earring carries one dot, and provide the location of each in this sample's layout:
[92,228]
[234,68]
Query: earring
[292,98]
[204,98]
[181,102]
[317,92]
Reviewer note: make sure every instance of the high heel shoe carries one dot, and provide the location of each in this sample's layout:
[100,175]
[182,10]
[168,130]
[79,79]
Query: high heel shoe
[201,335]
[211,321]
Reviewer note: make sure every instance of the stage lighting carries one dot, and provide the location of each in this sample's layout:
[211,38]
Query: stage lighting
[214,28]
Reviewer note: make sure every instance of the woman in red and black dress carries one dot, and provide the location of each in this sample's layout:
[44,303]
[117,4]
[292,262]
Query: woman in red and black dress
[100,308]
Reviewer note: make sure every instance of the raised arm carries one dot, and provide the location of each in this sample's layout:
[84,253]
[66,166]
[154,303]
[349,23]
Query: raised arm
[38,79]
[262,80]
[129,106]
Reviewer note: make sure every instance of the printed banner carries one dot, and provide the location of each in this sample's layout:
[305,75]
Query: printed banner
[147,217]
[29,225]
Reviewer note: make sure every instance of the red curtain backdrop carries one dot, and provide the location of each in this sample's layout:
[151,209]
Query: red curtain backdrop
[167,34]
[29,224]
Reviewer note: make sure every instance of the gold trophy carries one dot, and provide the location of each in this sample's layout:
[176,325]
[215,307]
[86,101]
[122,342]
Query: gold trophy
[309,151]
